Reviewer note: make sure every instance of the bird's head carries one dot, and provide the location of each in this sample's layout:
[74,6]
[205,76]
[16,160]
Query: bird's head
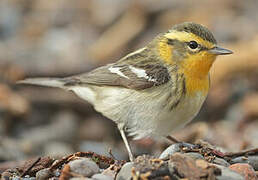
[191,46]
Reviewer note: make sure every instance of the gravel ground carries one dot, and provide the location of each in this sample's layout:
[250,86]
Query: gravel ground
[62,37]
[178,161]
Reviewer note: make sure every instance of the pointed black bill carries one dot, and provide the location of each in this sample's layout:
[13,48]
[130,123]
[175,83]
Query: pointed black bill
[219,51]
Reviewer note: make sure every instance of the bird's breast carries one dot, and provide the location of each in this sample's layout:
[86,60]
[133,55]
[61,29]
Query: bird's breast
[195,86]
[182,114]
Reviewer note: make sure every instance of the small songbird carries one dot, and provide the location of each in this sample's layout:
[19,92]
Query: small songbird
[154,90]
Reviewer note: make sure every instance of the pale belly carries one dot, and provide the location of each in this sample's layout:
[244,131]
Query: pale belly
[143,116]
[160,123]
[186,110]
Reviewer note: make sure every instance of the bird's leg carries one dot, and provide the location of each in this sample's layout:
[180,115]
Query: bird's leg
[174,140]
[126,144]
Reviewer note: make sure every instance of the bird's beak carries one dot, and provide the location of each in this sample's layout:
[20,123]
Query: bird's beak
[219,51]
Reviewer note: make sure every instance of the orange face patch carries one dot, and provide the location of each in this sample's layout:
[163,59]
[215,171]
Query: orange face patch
[196,70]
[195,66]
[165,51]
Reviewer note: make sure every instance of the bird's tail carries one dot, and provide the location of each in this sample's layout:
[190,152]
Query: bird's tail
[50,82]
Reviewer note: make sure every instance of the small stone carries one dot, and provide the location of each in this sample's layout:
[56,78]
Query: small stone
[126,172]
[6,175]
[170,151]
[44,174]
[228,174]
[84,166]
[29,178]
[182,166]
[194,155]
[221,162]
[101,177]
[202,164]
[252,160]
[57,173]
[244,169]
[14,178]
[171,167]
[173,149]
[111,171]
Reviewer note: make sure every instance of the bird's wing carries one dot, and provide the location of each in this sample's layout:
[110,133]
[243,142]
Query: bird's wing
[123,75]
[138,70]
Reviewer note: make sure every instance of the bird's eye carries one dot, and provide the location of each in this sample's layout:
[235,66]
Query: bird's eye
[193,44]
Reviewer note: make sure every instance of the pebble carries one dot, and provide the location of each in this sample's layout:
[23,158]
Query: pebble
[84,166]
[221,161]
[171,167]
[43,174]
[29,178]
[14,178]
[101,177]
[228,174]
[244,169]
[6,175]
[173,149]
[252,160]
[194,155]
[126,172]
[19,178]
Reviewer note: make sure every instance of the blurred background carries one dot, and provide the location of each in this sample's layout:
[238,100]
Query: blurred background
[64,37]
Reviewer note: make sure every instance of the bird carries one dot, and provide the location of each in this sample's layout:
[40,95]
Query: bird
[154,90]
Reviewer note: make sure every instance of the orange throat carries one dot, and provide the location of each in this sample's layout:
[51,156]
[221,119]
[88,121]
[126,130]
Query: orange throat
[196,72]
[195,68]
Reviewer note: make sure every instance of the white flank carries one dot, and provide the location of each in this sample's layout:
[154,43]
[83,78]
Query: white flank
[141,73]
[85,93]
[117,71]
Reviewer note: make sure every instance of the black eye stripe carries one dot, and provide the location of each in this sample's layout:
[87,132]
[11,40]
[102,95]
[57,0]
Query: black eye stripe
[171,41]
[175,41]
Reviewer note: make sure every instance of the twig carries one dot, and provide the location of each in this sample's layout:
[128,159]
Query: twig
[246,152]
[30,167]
[111,154]
[60,162]
[171,138]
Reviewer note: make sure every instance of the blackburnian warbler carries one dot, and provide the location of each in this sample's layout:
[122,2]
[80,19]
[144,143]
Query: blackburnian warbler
[153,90]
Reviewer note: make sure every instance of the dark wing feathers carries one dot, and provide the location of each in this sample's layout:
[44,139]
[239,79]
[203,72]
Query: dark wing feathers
[123,75]
[138,70]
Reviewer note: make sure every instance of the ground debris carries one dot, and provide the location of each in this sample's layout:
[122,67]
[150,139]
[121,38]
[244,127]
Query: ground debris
[178,165]
[210,153]
[146,167]
[31,167]
[186,167]
[46,167]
